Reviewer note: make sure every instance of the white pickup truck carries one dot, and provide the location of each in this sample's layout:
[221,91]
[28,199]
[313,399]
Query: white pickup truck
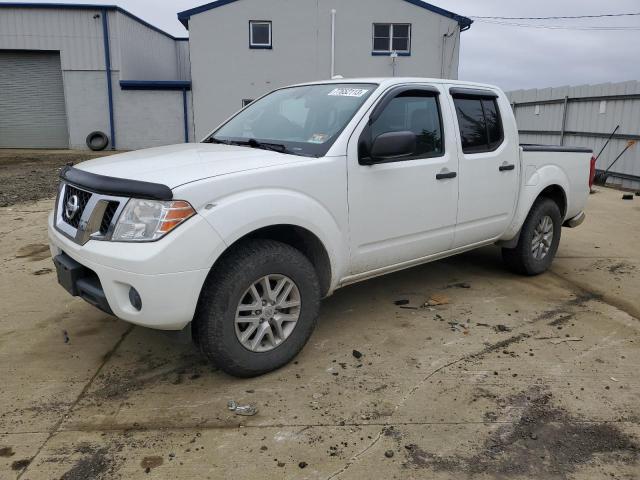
[306,190]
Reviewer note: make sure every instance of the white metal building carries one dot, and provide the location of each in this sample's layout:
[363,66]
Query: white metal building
[69,70]
[586,116]
[242,49]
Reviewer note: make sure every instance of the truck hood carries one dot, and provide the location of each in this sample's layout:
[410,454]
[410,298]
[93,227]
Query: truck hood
[176,165]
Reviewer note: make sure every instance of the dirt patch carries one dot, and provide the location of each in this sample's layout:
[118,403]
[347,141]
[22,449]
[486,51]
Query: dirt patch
[565,307]
[20,464]
[118,384]
[29,175]
[6,452]
[34,252]
[149,463]
[562,320]
[499,345]
[95,465]
[544,441]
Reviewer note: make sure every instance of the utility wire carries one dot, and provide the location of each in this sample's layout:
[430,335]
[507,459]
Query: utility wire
[633,14]
[561,27]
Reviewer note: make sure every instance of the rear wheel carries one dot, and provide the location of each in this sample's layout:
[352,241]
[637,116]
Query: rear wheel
[539,240]
[258,308]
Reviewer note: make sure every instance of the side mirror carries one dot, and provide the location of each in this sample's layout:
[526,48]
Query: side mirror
[393,145]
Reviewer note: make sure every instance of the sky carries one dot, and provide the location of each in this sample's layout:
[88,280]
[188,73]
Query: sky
[507,56]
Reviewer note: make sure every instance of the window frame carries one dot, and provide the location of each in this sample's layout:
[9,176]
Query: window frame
[366,141]
[260,46]
[402,53]
[480,96]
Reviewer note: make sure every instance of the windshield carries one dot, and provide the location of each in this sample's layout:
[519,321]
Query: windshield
[302,120]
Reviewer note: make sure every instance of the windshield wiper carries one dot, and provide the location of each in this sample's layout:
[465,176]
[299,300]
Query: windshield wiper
[252,143]
[274,147]
[216,140]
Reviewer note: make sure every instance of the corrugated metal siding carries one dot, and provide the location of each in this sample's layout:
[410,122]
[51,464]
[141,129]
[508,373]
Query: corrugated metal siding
[184,62]
[32,108]
[585,117]
[75,33]
[146,54]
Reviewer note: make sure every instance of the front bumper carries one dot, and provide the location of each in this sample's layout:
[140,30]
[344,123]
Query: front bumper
[167,274]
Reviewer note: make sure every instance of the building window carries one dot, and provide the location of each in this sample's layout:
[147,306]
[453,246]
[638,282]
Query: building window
[480,125]
[392,37]
[260,34]
[246,101]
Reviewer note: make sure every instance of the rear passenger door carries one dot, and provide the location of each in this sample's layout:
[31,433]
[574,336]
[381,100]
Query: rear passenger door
[489,165]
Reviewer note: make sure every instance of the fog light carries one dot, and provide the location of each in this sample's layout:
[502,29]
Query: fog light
[134,298]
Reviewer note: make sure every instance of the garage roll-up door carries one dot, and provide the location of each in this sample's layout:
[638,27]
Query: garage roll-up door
[32,110]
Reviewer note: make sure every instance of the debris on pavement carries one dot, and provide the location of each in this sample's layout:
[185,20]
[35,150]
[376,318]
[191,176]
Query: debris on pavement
[65,336]
[627,196]
[437,299]
[42,271]
[402,302]
[557,341]
[502,328]
[459,285]
[245,410]
[389,454]
[357,354]
[303,464]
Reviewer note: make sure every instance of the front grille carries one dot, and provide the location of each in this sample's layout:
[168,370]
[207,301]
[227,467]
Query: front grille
[110,211]
[83,198]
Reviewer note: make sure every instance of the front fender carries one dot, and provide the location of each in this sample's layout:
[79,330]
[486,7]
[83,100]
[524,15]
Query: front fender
[534,182]
[239,214]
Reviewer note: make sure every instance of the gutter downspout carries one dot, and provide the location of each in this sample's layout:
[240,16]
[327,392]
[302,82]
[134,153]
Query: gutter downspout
[333,43]
[444,46]
[107,63]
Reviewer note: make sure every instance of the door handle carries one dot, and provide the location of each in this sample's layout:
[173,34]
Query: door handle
[444,176]
[506,168]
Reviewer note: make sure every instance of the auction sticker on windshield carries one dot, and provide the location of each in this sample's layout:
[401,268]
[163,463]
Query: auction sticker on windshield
[348,92]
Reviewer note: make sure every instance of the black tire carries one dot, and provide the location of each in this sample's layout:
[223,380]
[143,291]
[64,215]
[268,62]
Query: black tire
[521,259]
[214,322]
[97,141]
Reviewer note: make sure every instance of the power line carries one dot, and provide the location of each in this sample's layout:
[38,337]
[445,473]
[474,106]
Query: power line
[561,27]
[633,14]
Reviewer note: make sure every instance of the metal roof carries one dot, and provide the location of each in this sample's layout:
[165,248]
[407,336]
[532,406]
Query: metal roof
[464,22]
[84,6]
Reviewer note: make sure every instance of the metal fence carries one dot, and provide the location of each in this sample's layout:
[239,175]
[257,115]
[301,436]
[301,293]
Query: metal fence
[585,116]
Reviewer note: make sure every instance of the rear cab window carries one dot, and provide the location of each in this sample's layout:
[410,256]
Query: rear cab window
[479,120]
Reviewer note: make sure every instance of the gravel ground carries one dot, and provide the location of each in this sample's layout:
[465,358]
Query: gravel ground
[30,175]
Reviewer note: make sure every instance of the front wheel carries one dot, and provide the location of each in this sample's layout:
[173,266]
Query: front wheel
[258,308]
[538,242]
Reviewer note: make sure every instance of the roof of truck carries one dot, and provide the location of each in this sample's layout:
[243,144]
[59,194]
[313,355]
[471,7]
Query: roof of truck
[389,81]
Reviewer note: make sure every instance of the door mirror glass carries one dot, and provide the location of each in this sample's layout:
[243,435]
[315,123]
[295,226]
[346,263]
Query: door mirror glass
[393,145]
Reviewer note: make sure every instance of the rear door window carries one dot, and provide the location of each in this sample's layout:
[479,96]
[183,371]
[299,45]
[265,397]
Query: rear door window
[480,124]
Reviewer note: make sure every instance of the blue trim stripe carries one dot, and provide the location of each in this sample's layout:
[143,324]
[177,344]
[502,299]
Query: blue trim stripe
[155,85]
[185,115]
[388,54]
[465,23]
[107,64]
[85,6]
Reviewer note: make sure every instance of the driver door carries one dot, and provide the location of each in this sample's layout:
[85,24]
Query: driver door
[403,209]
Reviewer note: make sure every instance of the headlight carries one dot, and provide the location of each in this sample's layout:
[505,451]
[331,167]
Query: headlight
[148,220]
